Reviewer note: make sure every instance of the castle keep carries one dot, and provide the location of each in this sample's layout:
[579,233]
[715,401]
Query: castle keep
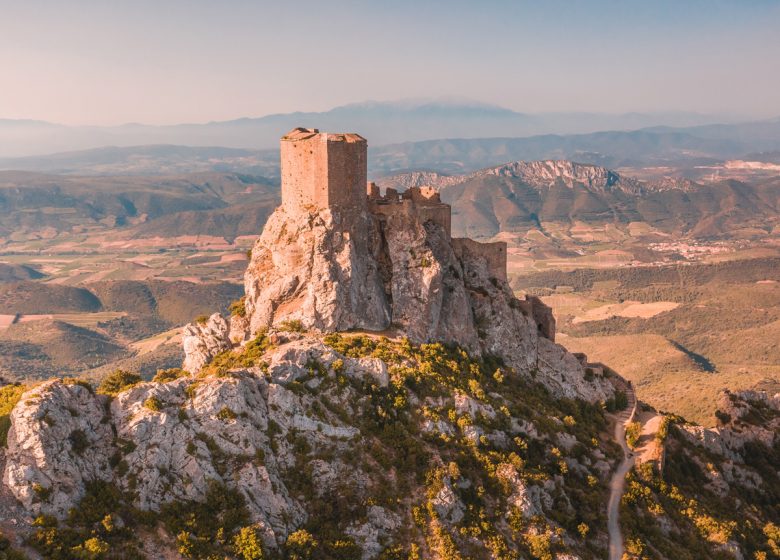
[323,170]
[326,170]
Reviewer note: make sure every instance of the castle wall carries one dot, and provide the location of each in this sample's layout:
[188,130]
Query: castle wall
[436,213]
[304,160]
[347,170]
[543,317]
[323,170]
[494,254]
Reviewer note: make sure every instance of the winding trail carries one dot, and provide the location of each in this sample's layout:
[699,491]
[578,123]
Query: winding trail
[618,481]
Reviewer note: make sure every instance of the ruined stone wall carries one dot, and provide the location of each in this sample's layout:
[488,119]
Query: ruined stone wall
[543,317]
[494,254]
[437,213]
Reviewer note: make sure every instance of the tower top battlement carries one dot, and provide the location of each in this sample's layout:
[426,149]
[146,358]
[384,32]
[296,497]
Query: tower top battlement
[323,170]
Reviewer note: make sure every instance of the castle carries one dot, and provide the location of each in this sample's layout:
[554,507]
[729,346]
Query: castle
[322,170]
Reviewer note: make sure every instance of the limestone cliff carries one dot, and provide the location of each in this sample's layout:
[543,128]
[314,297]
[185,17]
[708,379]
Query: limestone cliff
[405,277]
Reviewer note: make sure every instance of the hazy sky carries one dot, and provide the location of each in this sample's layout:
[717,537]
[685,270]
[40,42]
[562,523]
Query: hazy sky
[169,61]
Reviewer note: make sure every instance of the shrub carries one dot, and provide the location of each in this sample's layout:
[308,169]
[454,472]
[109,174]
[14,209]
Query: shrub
[723,417]
[617,403]
[226,414]
[247,544]
[91,549]
[7,552]
[171,374]
[78,441]
[238,307]
[154,404]
[204,529]
[633,432]
[202,319]
[9,396]
[248,356]
[292,325]
[41,492]
[118,381]
[301,545]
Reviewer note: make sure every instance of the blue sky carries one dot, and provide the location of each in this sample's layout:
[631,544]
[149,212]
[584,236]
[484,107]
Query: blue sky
[168,61]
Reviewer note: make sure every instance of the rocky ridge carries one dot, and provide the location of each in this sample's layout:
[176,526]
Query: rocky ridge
[543,174]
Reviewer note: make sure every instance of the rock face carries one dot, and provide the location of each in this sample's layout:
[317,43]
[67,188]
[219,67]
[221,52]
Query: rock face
[301,429]
[318,269]
[405,276]
[59,440]
[744,416]
[203,341]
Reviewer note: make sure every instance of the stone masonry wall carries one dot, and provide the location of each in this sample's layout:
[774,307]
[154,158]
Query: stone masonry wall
[493,253]
[322,170]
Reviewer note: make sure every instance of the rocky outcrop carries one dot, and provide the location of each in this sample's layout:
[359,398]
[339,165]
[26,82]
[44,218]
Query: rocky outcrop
[306,411]
[744,416]
[405,276]
[60,439]
[317,269]
[203,341]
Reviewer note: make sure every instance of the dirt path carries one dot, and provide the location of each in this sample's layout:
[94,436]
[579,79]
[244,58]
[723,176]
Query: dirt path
[618,481]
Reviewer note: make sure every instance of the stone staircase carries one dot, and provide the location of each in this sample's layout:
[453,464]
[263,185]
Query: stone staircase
[625,416]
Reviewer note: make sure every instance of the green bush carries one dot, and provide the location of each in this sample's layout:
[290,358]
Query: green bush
[633,433]
[7,552]
[171,374]
[617,403]
[9,396]
[78,441]
[207,529]
[153,404]
[238,307]
[292,325]
[118,381]
[300,545]
[248,356]
[226,414]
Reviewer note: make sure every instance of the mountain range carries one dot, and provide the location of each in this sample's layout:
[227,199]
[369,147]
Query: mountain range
[522,196]
[685,149]
[383,122]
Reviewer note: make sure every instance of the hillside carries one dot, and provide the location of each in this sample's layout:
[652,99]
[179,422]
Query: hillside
[714,326]
[68,330]
[34,298]
[46,205]
[40,349]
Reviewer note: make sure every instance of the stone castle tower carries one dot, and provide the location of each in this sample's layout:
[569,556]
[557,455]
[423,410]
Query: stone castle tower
[323,170]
